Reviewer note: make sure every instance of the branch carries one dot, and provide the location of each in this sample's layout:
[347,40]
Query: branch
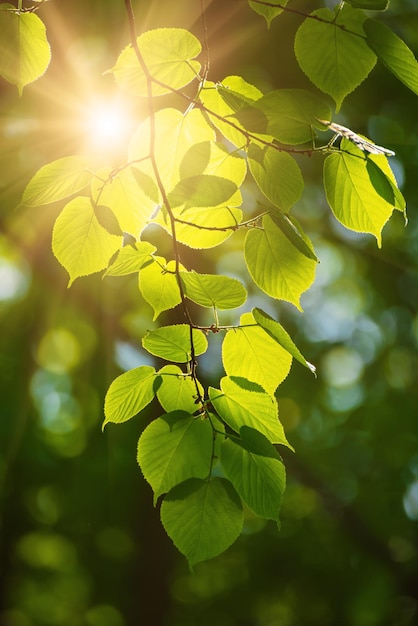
[162,190]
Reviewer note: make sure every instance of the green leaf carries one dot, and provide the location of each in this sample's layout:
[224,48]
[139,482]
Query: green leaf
[215,98]
[393,52]
[173,130]
[177,391]
[268,12]
[203,518]
[174,448]
[131,259]
[147,184]
[213,158]
[255,469]
[351,194]
[168,54]
[202,191]
[79,242]
[158,285]
[210,290]
[24,49]
[385,183]
[243,403]
[172,343]
[129,393]
[200,228]
[333,53]
[292,231]
[278,333]
[122,194]
[277,266]
[289,115]
[250,353]
[57,180]
[277,174]
[373,5]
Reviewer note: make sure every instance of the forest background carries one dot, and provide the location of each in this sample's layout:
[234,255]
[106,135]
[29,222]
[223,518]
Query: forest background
[80,540]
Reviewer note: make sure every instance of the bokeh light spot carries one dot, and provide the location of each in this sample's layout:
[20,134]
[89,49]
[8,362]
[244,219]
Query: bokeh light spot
[58,351]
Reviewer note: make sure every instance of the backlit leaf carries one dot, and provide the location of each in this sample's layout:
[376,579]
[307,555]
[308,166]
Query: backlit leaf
[203,518]
[131,259]
[277,266]
[278,333]
[268,12]
[122,194]
[351,194]
[213,158]
[169,55]
[255,469]
[158,285]
[243,403]
[333,53]
[203,228]
[175,130]
[172,343]
[57,180]
[277,174]
[210,290]
[177,391]
[247,352]
[214,97]
[289,115]
[129,393]
[292,230]
[393,52]
[174,448]
[202,191]
[24,49]
[79,242]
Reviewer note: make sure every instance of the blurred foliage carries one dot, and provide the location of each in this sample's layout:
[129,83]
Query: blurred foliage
[80,541]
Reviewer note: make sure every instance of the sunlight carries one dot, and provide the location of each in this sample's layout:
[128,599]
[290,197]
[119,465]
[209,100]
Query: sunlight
[107,125]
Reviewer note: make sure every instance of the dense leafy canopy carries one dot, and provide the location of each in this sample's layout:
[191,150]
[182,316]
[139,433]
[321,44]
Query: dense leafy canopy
[212,449]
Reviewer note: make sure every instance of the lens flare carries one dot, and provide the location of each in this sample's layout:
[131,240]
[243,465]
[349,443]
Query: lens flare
[107,126]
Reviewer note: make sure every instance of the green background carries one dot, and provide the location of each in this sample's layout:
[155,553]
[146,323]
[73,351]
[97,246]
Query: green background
[80,540]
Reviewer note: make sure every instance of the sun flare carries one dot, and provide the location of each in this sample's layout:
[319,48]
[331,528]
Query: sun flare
[107,125]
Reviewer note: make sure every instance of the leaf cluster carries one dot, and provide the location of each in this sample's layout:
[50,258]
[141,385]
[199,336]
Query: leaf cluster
[213,451]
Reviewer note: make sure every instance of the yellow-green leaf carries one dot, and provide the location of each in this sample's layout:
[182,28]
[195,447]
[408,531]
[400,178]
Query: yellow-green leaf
[173,343]
[351,194]
[277,174]
[243,403]
[129,393]
[24,49]
[158,285]
[278,267]
[131,258]
[57,180]
[210,290]
[249,352]
[80,244]
[169,55]
[127,201]
[175,133]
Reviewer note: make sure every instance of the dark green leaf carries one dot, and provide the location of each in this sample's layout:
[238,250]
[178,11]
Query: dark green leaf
[174,448]
[394,53]
[203,518]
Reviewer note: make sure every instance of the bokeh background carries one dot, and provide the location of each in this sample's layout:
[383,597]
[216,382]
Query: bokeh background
[80,542]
